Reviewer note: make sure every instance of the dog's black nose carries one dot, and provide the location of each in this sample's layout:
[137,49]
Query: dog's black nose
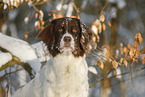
[67,39]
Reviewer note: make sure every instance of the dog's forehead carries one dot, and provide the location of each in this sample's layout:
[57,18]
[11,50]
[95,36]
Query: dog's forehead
[67,21]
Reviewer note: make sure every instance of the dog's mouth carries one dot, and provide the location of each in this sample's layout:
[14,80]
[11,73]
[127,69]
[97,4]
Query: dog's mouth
[66,48]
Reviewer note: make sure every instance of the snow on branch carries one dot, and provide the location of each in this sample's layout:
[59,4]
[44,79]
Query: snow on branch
[20,49]
[4,58]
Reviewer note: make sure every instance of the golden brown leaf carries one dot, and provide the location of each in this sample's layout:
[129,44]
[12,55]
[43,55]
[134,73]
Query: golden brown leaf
[94,39]
[95,45]
[117,53]
[49,14]
[36,15]
[121,60]
[143,60]
[115,72]
[102,18]
[135,45]
[104,27]
[137,53]
[42,22]
[17,4]
[109,23]
[125,50]
[128,45]
[131,52]
[53,11]
[26,36]
[121,45]
[98,38]
[94,28]
[115,64]
[138,38]
[125,62]
[107,54]
[100,29]
[143,50]
[101,65]
[131,62]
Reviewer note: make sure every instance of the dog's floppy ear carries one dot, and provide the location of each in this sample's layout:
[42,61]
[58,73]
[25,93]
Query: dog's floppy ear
[86,37]
[47,36]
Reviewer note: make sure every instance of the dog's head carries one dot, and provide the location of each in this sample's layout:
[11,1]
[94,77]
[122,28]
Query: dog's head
[66,35]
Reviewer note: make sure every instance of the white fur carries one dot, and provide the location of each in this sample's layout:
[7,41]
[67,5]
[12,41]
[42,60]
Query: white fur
[62,76]
[72,43]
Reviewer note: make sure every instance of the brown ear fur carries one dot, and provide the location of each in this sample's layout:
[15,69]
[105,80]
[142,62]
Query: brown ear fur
[47,35]
[86,37]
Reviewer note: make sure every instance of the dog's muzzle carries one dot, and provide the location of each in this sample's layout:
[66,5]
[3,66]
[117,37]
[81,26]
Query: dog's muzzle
[67,42]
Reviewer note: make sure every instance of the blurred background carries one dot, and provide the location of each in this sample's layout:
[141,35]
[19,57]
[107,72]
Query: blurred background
[113,71]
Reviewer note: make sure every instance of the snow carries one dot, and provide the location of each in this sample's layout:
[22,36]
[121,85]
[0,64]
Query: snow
[93,70]
[21,49]
[118,70]
[41,51]
[94,29]
[120,3]
[4,58]
[70,10]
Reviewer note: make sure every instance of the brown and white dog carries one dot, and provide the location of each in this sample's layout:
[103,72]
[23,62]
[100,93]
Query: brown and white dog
[66,73]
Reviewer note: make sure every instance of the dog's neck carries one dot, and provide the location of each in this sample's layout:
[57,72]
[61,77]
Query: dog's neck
[65,60]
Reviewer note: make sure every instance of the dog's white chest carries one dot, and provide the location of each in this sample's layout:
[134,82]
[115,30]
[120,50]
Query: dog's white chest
[69,78]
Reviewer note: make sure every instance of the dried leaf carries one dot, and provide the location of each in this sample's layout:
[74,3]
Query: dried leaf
[131,62]
[98,38]
[135,45]
[94,29]
[102,18]
[115,64]
[22,1]
[36,15]
[125,62]
[9,7]
[117,53]
[26,36]
[131,52]
[53,11]
[121,60]
[143,50]
[128,45]
[17,4]
[121,45]
[95,45]
[107,54]
[104,27]
[138,38]
[125,50]
[137,53]
[109,23]
[42,22]
[101,65]
[115,72]
[100,29]
[49,14]
[143,60]
[94,39]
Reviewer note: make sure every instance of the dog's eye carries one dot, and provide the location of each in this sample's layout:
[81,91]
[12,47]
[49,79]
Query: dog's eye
[74,30]
[60,30]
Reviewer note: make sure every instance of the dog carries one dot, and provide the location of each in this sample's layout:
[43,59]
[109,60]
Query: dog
[66,72]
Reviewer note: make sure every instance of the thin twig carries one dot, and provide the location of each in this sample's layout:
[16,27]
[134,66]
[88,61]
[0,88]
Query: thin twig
[115,76]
